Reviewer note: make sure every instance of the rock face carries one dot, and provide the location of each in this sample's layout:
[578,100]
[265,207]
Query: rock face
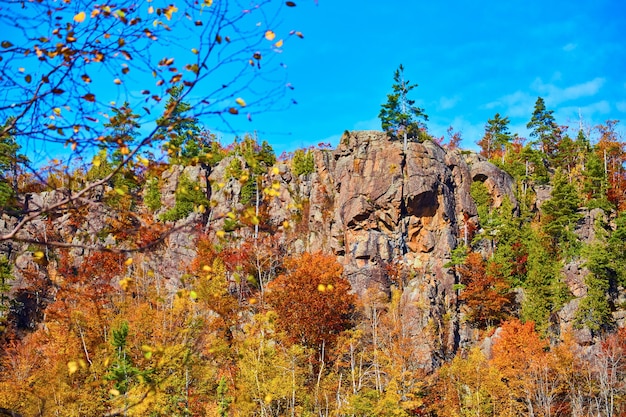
[372,204]
[368,202]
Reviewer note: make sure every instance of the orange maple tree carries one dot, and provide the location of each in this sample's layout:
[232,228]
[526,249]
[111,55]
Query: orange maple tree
[486,295]
[313,301]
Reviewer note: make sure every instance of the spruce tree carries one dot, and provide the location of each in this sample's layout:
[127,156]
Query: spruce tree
[560,215]
[399,116]
[544,128]
[181,130]
[497,137]
[10,161]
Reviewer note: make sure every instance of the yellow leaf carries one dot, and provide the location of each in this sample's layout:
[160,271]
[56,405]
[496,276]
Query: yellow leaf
[194,51]
[201,208]
[146,348]
[193,295]
[72,367]
[276,185]
[80,17]
[125,283]
[150,10]
[206,268]
[171,9]
[269,35]
[128,262]
[231,215]
[120,191]
[279,44]
[275,171]
[96,161]
[114,392]
[38,255]
[329,287]
[321,287]
[208,3]
[220,233]
[241,102]
[117,81]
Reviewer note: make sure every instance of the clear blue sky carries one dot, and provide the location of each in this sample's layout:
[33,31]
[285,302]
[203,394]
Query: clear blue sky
[470,59]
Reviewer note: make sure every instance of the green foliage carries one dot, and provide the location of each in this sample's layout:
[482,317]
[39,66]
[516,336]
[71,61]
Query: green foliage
[223,399]
[561,214]
[617,248]
[180,130]
[594,310]
[482,198]
[303,162]
[6,276]
[399,115]
[122,371]
[9,163]
[153,194]
[256,160]
[544,128]
[595,184]
[497,137]
[545,291]
[189,195]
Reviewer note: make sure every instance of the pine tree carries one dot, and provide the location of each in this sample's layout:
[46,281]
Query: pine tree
[183,146]
[545,291]
[544,128]
[561,214]
[10,161]
[399,116]
[497,137]
[594,310]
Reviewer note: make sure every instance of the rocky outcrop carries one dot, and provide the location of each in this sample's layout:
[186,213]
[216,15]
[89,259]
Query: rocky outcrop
[369,202]
[372,204]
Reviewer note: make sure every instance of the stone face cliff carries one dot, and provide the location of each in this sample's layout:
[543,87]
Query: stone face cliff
[368,202]
[373,205]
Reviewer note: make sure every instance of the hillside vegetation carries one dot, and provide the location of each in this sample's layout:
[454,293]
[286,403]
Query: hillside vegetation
[380,278]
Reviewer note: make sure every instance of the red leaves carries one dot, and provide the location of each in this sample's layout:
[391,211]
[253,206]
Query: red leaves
[312,300]
[486,295]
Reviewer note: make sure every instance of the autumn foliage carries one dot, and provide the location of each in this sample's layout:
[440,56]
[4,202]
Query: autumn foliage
[312,299]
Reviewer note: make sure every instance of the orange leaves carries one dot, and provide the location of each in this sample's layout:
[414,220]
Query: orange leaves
[486,295]
[312,300]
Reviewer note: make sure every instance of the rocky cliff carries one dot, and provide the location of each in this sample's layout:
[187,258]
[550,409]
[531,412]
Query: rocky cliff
[374,205]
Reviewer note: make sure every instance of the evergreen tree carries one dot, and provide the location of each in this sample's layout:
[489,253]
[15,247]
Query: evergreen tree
[594,310]
[545,292]
[182,130]
[560,215]
[10,161]
[497,137]
[544,128]
[399,116]
[617,249]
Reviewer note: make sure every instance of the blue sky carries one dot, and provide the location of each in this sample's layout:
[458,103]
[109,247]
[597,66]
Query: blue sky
[470,59]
